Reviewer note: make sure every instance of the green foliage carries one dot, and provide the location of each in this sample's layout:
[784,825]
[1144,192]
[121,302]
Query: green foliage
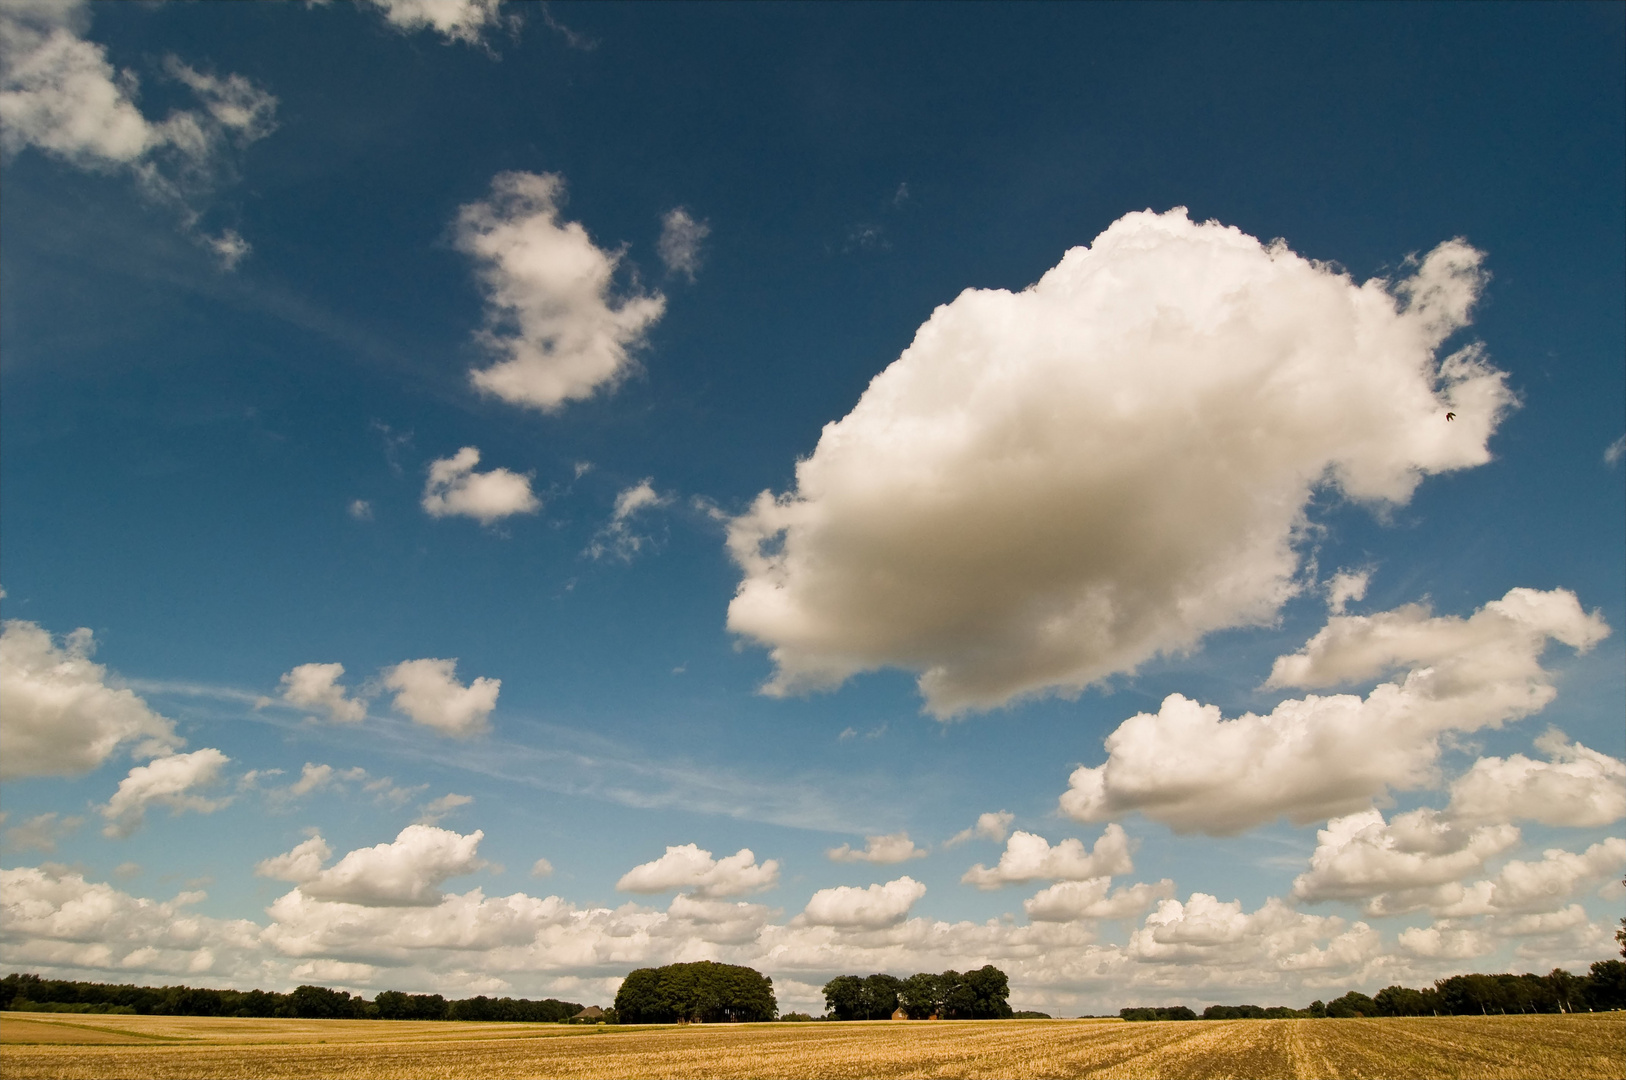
[703,992]
[973,995]
[1159,1012]
[1352,1004]
[798,1018]
[1602,988]
[1029,1014]
[32,993]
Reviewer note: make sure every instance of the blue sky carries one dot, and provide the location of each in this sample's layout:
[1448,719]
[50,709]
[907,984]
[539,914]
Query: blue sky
[269,269]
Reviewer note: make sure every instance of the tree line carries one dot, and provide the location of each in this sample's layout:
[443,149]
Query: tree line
[1603,988]
[31,993]
[702,992]
[972,995]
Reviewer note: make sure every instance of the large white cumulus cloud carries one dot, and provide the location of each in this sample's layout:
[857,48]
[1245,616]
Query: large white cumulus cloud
[691,868]
[1054,485]
[58,716]
[1318,757]
[403,873]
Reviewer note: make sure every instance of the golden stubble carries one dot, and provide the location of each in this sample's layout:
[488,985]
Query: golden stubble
[94,1047]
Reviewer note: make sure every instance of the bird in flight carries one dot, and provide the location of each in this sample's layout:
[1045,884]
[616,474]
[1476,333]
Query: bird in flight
[1450,416]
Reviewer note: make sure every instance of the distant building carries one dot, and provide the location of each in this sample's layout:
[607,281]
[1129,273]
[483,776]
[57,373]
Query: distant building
[590,1015]
[899,1014]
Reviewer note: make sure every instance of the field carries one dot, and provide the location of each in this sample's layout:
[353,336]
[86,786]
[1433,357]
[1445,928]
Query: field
[55,1045]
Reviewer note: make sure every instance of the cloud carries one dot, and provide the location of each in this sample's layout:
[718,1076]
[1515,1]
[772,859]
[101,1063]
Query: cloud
[1547,885]
[1051,486]
[54,918]
[1578,787]
[541,868]
[58,716]
[61,95]
[303,863]
[693,870]
[171,781]
[429,693]
[436,809]
[1315,758]
[1206,932]
[849,907]
[56,923]
[990,826]
[403,873]
[882,850]
[360,509]
[1614,451]
[316,686]
[1396,866]
[681,237]
[41,832]
[1067,901]
[1344,586]
[554,317]
[455,488]
[466,21]
[1029,857]
[617,537]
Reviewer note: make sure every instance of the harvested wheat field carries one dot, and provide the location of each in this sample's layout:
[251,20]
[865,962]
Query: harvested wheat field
[46,1045]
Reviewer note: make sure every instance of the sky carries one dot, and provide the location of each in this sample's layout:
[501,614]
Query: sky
[495,496]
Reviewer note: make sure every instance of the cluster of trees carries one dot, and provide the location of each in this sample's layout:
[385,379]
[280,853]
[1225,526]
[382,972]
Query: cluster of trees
[30,993]
[972,995]
[703,992]
[1603,988]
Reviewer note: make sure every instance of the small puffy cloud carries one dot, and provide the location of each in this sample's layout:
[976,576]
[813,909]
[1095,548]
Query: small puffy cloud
[850,908]
[173,781]
[436,809]
[316,686]
[883,850]
[303,863]
[360,509]
[691,869]
[312,777]
[618,538]
[1544,885]
[61,95]
[1500,642]
[1446,942]
[466,21]
[554,318]
[1068,901]
[1209,933]
[58,716]
[1578,787]
[41,832]
[1317,757]
[1614,452]
[428,692]
[541,868]
[454,488]
[1029,857]
[681,237]
[403,873]
[990,826]
[1396,866]
[1051,486]
[1344,586]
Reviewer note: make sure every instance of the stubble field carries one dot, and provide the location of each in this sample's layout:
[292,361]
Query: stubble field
[54,1045]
